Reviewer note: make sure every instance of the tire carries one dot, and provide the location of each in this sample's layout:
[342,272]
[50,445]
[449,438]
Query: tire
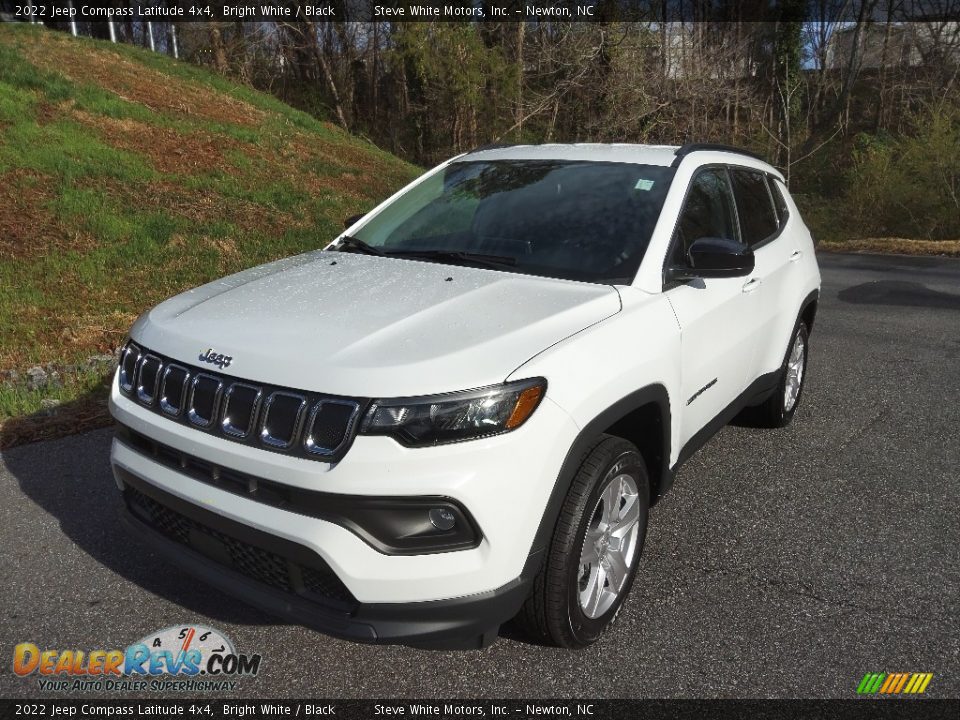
[777,411]
[572,603]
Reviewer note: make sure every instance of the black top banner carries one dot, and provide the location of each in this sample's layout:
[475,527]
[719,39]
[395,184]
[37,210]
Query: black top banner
[480,11]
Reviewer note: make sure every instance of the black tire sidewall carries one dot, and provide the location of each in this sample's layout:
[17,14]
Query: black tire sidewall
[787,415]
[585,630]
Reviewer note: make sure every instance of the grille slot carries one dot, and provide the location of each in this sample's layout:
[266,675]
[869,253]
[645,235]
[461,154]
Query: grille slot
[328,426]
[128,367]
[309,425]
[173,389]
[257,563]
[204,398]
[148,378]
[240,409]
[282,416]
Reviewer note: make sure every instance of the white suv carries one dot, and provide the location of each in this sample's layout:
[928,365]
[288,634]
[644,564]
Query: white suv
[463,408]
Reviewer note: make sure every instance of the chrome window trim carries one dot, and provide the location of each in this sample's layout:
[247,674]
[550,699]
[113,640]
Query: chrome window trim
[164,405]
[226,425]
[191,411]
[315,449]
[265,437]
[141,394]
[127,387]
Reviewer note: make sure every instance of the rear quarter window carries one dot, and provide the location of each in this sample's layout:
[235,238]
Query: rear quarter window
[778,201]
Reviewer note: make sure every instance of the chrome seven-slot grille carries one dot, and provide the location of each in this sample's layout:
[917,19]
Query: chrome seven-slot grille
[293,422]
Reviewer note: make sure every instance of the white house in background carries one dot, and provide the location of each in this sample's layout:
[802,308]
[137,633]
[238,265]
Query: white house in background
[906,44]
[684,55]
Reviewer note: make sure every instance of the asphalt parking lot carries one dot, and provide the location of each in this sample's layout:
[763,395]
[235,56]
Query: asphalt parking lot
[782,564]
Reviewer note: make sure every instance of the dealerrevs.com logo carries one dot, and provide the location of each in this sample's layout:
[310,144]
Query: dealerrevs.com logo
[182,658]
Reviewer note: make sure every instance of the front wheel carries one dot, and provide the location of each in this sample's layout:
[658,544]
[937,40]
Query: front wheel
[778,410]
[595,549]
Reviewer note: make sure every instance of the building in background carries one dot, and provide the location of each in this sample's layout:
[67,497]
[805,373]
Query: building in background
[906,44]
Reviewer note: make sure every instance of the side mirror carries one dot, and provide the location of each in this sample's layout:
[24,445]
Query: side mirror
[352,219]
[712,257]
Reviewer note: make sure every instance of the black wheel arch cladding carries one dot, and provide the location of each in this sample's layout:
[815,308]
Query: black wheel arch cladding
[651,402]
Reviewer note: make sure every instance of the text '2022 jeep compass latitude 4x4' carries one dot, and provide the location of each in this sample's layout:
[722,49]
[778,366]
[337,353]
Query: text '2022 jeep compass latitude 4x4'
[462,409]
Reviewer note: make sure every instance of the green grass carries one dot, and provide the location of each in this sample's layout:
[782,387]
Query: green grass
[66,149]
[119,202]
[17,73]
[18,399]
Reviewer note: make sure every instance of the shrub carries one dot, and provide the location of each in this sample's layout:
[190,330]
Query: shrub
[909,186]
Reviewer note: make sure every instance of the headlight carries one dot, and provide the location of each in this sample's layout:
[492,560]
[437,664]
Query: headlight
[436,419]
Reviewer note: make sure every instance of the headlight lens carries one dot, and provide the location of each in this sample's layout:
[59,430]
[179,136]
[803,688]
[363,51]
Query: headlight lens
[437,419]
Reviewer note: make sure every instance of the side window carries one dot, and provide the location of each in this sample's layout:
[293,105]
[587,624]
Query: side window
[707,212]
[758,219]
[782,212]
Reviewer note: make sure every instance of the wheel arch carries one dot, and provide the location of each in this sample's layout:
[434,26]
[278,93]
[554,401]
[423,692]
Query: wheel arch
[806,316]
[808,310]
[643,418]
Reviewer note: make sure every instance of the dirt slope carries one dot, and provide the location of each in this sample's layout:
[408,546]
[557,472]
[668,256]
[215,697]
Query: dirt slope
[125,177]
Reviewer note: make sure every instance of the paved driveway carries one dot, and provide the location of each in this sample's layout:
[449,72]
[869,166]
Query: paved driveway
[782,564]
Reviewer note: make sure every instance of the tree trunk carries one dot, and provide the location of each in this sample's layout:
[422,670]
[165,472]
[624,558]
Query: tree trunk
[324,66]
[521,28]
[878,116]
[375,75]
[855,59]
[220,63]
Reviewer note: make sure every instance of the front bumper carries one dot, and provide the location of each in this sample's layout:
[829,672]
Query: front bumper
[504,483]
[461,623]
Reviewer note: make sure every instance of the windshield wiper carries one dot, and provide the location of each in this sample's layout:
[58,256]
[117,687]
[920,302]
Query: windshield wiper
[348,243]
[492,261]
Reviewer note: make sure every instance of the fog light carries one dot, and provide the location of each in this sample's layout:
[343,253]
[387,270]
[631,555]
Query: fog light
[442,519]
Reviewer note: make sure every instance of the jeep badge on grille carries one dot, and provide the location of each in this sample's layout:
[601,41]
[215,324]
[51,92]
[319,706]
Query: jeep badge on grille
[218,359]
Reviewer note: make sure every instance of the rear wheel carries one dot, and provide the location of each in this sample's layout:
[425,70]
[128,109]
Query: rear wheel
[778,410]
[595,550]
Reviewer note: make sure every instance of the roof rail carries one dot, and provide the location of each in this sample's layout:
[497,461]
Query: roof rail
[685,150]
[490,146]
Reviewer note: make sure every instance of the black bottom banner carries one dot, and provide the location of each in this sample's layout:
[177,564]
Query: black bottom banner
[584,708]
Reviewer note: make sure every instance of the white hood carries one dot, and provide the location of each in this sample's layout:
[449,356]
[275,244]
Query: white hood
[369,326]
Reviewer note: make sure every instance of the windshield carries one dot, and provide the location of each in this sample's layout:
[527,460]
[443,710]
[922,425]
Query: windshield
[588,221]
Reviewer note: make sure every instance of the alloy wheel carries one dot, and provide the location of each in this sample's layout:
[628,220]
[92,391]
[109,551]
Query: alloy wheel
[609,546]
[795,367]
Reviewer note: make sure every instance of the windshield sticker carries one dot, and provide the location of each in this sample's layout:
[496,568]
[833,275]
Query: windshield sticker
[643,184]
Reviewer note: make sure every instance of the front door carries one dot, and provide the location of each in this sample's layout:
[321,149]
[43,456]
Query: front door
[716,337]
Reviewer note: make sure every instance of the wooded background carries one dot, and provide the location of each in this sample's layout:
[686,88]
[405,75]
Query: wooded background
[855,100]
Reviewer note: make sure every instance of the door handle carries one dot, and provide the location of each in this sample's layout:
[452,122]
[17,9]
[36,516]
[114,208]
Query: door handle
[796,255]
[751,285]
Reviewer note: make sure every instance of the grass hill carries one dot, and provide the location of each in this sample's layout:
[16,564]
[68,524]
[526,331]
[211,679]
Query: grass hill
[126,177]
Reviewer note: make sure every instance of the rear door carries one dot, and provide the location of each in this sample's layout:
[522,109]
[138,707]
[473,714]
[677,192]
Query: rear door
[716,342]
[760,228]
